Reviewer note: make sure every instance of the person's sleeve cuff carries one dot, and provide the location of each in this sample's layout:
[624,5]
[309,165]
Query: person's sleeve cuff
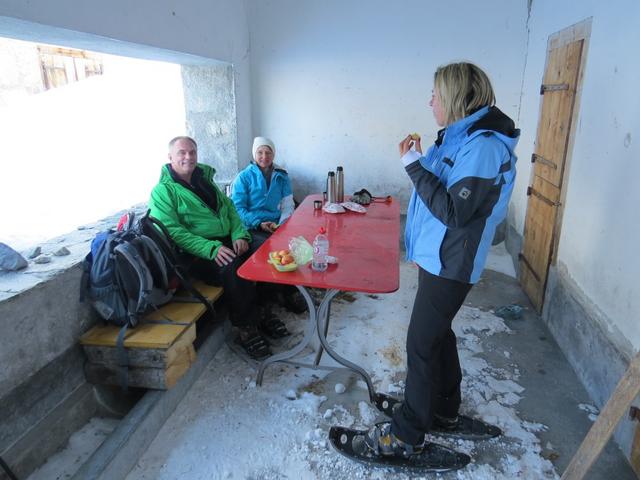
[410,157]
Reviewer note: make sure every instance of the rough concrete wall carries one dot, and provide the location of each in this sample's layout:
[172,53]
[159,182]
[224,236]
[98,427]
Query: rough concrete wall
[575,324]
[209,101]
[40,324]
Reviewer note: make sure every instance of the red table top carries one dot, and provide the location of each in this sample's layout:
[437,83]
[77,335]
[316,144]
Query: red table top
[366,245]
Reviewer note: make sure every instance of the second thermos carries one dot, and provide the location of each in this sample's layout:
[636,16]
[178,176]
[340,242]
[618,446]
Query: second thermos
[339,185]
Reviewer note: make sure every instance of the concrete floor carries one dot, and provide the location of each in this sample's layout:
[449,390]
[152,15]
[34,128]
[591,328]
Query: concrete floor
[190,439]
[552,389]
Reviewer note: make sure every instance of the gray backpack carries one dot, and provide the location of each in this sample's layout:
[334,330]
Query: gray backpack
[125,276]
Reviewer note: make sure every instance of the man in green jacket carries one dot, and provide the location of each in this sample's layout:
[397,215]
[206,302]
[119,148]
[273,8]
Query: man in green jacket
[204,224]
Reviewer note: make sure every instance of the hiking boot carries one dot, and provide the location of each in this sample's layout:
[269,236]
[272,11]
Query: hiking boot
[382,442]
[294,302]
[271,325]
[253,344]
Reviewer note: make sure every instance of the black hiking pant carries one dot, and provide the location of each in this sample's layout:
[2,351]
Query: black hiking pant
[240,294]
[433,368]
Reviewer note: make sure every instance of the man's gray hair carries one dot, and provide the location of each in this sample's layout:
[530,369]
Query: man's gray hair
[182,137]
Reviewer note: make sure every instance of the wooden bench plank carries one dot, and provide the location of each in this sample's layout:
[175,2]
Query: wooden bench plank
[186,312]
[142,357]
[143,336]
[155,336]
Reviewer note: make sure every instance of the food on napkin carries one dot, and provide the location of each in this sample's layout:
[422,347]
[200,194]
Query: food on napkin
[333,208]
[354,207]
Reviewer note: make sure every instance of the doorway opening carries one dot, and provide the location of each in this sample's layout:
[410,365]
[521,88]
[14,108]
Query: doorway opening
[86,132]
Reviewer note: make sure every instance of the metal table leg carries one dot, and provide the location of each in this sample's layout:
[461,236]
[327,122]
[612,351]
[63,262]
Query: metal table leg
[325,329]
[308,335]
[318,322]
[323,310]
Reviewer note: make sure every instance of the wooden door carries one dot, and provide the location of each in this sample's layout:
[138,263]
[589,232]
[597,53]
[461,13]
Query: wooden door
[542,225]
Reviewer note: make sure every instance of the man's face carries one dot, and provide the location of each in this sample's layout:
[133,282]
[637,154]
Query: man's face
[183,157]
[264,157]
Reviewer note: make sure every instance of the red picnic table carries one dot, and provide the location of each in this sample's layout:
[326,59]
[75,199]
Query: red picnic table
[367,249]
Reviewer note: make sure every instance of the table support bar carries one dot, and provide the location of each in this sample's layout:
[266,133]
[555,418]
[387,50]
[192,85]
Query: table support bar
[308,335]
[322,316]
[318,323]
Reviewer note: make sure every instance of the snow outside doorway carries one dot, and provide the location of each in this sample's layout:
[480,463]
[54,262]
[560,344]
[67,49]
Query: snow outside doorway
[86,150]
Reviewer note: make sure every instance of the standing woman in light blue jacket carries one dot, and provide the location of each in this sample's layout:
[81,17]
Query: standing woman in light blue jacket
[461,190]
[263,198]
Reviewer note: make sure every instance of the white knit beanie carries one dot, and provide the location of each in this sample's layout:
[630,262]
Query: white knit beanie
[260,142]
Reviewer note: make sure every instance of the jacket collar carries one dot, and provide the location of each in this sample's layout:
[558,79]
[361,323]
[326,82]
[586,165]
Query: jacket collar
[459,128]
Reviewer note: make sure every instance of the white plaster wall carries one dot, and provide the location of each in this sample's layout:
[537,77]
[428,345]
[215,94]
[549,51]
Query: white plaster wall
[205,29]
[601,224]
[341,82]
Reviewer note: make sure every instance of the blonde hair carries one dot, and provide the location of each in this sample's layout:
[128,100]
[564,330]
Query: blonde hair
[463,88]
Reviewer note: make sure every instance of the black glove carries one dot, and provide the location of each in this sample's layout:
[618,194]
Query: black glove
[363,197]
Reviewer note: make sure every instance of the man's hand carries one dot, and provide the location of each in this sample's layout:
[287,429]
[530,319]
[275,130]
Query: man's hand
[225,255]
[407,143]
[240,246]
[268,227]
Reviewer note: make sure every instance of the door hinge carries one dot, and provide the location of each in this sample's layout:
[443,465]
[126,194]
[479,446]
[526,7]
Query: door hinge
[553,87]
[532,191]
[524,260]
[543,161]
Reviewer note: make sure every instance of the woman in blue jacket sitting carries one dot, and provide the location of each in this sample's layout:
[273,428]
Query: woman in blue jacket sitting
[461,191]
[262,191]
[263,198]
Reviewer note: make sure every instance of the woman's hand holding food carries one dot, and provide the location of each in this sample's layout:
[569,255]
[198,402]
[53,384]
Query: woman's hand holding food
[268,227]
[412,140]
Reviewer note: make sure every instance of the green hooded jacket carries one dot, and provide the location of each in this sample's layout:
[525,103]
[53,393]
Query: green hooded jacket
[190,221]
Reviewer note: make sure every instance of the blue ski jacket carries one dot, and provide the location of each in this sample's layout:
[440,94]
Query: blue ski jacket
[254,201]
[462,187]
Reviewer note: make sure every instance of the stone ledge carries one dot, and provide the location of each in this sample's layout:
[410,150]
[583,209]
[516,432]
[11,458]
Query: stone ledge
[77,242]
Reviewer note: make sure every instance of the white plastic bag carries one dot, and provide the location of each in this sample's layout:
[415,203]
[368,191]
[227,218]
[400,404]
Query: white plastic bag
[301,250]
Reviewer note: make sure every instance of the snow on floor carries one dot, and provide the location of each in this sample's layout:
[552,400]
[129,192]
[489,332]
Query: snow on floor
[82,444]
[228,428]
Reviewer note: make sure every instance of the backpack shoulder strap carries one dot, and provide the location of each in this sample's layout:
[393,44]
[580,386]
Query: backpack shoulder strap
[134,279]
[154,256]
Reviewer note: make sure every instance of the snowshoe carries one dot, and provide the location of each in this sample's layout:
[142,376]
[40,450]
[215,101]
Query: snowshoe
[386,403]
[431,457]
[463,427]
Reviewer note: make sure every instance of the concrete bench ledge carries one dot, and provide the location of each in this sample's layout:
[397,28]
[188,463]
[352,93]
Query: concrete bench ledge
[119,453]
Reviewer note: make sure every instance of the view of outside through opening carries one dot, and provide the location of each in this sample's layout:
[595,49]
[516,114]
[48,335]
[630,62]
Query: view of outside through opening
[84,136]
